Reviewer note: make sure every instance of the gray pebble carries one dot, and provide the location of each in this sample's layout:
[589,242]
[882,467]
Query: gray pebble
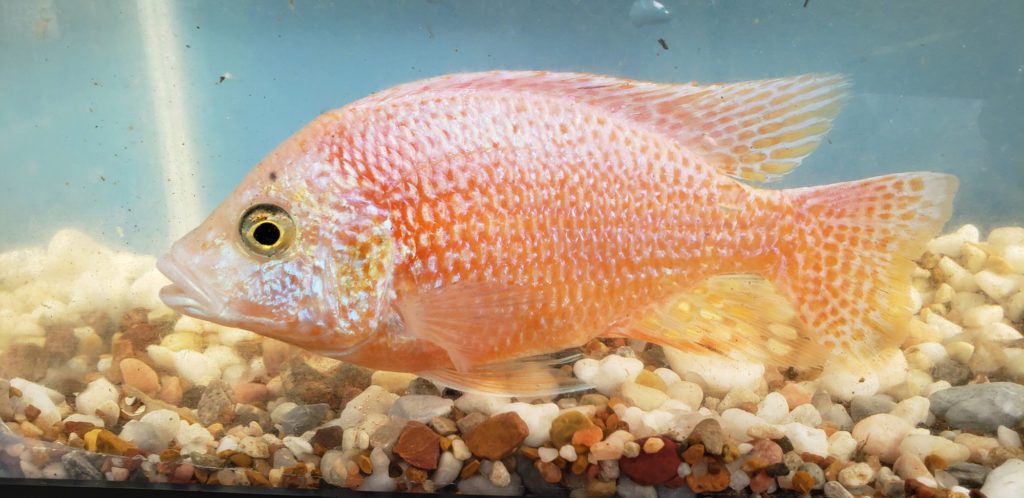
[421,407]
[216,404]
[835,490]
[79,467]
[419,385]
[283,457]
[969,474]
[480,485]
[386,435]
[470,421]
[303,418]
[533,481]
[862,407]
[709,432]
[982,407]
[839,417]
[951,371]
[245,414]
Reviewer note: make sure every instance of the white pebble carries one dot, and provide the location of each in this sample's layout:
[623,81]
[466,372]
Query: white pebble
[957,276]
[448,468]
[1001,332]
[568,453]
[844,380]
[913,409]
[687,392]
[298,446]
[483,403]
[718,374]
[1008,438]
[1006,480]
[195,367]
[94,395]
[856,475]
[375,400]
[736,423]
[461,451]
[379,480]
[45,399]
[841,445]
[923,445]
[773,408]
[951,244]
[641,396]
[499,475]
[1014,255]
[980,316]
[804,414]
[668,376]
[166,422]
[996,286]
[193,438]
[1015,307]
[607,374]
[807,439]
[547,454]
[945,327]
[881,434]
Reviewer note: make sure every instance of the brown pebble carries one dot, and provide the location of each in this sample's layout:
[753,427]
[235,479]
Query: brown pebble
[550,472]
[579,465]
[241,460]
[415,474]
[694,454]
[31,412]
[832,471]
[256,479]
[753,464]
[326,438]
[445,443]
[418,445]
[365,465]
[469,469]
[497,437]
[170,455]
[803,482]
[529,452]
[935,462]
[136,373]
[709,483]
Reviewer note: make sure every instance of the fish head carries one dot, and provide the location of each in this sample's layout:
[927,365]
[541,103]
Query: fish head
[294,253]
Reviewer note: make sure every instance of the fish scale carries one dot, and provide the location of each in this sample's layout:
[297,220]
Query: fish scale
[468,227]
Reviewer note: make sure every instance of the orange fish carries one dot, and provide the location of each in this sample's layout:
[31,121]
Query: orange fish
[466,227]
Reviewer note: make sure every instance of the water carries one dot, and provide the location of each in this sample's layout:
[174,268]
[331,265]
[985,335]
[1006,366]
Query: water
[130,122]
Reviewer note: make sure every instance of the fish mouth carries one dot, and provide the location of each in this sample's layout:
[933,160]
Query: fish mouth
[184,295]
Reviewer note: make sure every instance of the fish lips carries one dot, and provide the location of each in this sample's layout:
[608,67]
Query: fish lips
[184,295]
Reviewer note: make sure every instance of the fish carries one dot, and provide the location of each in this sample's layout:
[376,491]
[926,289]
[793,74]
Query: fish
[472,228]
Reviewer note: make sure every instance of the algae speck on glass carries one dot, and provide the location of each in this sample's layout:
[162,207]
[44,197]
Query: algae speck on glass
[533,282]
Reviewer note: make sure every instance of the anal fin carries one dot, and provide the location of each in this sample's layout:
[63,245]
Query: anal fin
[739,316]
[543,375]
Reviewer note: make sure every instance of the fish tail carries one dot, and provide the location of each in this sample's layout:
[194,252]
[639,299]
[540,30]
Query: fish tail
[848,256]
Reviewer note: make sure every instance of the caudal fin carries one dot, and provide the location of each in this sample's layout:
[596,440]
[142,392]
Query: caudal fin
[850,253]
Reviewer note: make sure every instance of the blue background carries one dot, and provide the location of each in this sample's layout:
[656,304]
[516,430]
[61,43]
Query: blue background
[938,85]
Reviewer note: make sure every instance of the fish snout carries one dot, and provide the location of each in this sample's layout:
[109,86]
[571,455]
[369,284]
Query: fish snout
[185,294]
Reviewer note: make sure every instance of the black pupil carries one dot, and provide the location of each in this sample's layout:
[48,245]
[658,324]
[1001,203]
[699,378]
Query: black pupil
[266,233]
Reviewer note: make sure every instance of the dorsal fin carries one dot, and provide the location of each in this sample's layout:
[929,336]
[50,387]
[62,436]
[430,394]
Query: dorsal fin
[751,130]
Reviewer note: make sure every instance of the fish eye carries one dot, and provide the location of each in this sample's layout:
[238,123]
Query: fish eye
[266,229]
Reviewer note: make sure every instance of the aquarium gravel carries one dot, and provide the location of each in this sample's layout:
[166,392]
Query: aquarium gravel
[100,381]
